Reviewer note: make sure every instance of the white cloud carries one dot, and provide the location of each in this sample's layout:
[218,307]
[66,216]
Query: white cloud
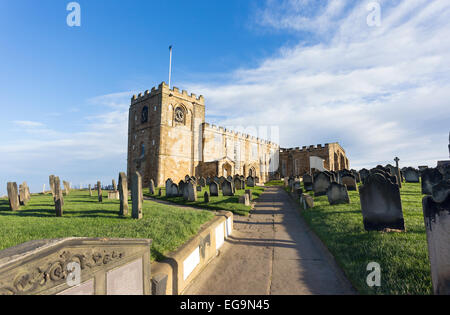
[380,92]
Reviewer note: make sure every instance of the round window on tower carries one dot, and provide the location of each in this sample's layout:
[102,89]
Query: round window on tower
[179,115]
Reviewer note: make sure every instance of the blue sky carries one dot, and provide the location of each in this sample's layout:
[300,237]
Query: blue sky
[315,69]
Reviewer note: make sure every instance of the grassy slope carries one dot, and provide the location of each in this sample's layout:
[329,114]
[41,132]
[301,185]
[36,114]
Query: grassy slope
[168,226]
[403,257]
[228,203]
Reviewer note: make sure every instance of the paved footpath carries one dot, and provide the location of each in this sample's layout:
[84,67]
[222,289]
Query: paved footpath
[271,252]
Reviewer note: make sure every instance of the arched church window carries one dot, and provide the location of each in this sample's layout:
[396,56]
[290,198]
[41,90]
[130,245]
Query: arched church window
[142,150]
[144,115]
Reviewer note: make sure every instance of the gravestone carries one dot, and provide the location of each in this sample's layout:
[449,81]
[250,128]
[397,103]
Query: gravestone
[349,181]
[13,196]
[411,175]
[337,194]
[66,187]
[306,201]
[257,180]
[363,174]
[227,188]
[90,191]
[123,194]
[99,191]
[136,196]
[249,193]
[22,199]
[244,199]
[437,223]
[191,191]
[321,183]
[250,181]
[430,177]
[151,187]
[221,180]
[174,192]
[230,178]
[202,182]
[381,204]
[169,187]
[199,188]
[208,180]
[214,189]
[237,183]
[181,190]
[242,183]
[440,190]
[59,199]
[308,182]
[113,195]
[159,192]
[186,178]
[51,181]
[357,177]
[206,197]
[114,185]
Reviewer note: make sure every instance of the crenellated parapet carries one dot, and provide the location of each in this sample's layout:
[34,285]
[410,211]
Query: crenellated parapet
[164,88]
[311,148]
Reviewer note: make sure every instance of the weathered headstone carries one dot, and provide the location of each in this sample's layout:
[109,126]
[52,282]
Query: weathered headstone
[114,185]
[214,188]
[13,196]
[22,198]
[159,192]
[321,183]
[411,175]
[151,187]
[307,182]
[430,177]
[169,187]
[349,181]
[381,204]
[123,194]
[250,181]
[191,192]
[227,188]
[59,199]
[306,201]
[174,192]
[202,182]
[337,194]
[136,196]
[237,183]
[441,190]
[51,181]
[199,188]
[363,174]
[182,192]
[244,199]
[206,197]
[437,222]
[249,193]
[99,191]
[113,195]
[90,190]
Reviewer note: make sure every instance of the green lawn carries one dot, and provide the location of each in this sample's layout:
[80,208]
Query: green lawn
[403,257]
[275,183]
[228,203]
[84,216]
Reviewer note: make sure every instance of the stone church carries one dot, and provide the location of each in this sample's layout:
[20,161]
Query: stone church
[169,138]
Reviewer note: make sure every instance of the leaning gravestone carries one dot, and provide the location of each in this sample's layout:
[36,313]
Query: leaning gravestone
[136,196]
[430,177]
[308,182]
[13,196]
[321,183]
[59,201]
[151,187]
[214,188]
[381,204]
[227,188]
[337,194]
[349,181]
[22,198]
[437,222]
[51,181]
[123,194]
[411,175]
[99,191]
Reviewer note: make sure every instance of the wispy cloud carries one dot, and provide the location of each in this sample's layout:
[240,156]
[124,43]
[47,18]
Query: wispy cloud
[379,91]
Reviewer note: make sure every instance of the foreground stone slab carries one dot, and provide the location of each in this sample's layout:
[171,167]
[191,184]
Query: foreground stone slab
[437,222]
[381,204]
[13,196]
[46,267]
[244,199]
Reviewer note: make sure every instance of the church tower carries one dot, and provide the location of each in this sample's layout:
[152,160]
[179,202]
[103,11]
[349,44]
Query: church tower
[165,134]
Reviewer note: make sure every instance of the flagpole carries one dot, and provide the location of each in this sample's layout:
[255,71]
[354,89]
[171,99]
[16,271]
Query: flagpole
[170,65]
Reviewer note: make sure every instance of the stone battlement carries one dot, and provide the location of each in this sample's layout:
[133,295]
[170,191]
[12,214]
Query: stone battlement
[212,127]
[310,148]
[163,87]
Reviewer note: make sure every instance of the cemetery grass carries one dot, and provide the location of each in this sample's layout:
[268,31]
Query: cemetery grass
[274,183]
[227,203]
[403,257]
[84,216]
